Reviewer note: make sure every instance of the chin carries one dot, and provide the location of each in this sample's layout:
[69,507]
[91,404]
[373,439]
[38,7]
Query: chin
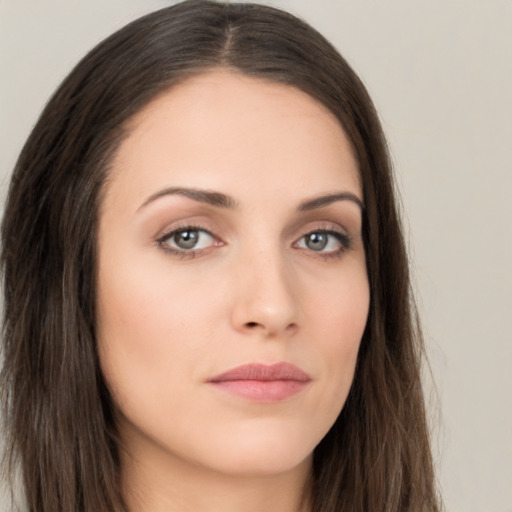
[250,464]
[261,451]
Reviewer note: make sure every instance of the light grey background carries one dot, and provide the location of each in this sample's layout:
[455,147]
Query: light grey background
[440,72]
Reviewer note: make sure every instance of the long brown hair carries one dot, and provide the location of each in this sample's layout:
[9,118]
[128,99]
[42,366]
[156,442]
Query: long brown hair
[60,426]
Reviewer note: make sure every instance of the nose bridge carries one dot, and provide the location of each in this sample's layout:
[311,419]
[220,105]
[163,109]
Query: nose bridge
[266,300]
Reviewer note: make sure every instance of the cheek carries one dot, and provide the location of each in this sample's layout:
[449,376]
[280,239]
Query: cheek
[148,330]
[340,318]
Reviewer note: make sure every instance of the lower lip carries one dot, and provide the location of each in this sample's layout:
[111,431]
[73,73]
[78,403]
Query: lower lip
[262,391]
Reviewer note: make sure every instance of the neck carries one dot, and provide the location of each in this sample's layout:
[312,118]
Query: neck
[157,483]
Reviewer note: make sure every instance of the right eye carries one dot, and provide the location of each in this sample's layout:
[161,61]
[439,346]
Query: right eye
[186,240]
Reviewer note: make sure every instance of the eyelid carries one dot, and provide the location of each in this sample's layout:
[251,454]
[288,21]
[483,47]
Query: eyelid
[167,232]
[339,218]
[341,237]
[325,227]
[330,228]
[162,238]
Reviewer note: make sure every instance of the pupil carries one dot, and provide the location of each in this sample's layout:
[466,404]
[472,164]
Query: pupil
[186,239]
[317,241]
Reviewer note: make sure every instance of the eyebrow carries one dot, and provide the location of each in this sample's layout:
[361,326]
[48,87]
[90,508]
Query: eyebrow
[318,202]
[220,200]
[210,197]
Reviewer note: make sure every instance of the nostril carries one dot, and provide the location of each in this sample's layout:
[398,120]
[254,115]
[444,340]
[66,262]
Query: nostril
[252,324]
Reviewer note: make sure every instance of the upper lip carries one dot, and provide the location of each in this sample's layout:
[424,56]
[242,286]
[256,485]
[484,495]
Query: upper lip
[263,372]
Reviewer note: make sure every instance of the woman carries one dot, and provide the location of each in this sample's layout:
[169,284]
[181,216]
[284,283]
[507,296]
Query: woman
[207,300]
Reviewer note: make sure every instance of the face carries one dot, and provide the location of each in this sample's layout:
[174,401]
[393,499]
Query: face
[232,285]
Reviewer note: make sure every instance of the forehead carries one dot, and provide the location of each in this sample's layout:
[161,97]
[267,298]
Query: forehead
[220,129]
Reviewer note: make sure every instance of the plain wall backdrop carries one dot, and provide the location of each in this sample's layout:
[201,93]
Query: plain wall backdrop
[440,73]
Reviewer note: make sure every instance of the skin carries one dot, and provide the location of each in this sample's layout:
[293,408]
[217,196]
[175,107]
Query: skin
[255,289]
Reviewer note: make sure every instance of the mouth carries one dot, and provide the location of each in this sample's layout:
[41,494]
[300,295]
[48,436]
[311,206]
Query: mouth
[262,383]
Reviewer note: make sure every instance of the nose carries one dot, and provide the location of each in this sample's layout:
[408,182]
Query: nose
[266,302]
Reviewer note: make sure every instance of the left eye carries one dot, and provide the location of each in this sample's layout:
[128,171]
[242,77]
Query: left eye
[322,241]
[187,239]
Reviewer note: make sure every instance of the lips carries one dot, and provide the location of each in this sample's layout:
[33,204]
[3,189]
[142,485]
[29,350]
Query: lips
[262,383]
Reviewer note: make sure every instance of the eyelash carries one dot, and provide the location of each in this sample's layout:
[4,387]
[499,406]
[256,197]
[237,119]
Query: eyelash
[344,240]
[180,253]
